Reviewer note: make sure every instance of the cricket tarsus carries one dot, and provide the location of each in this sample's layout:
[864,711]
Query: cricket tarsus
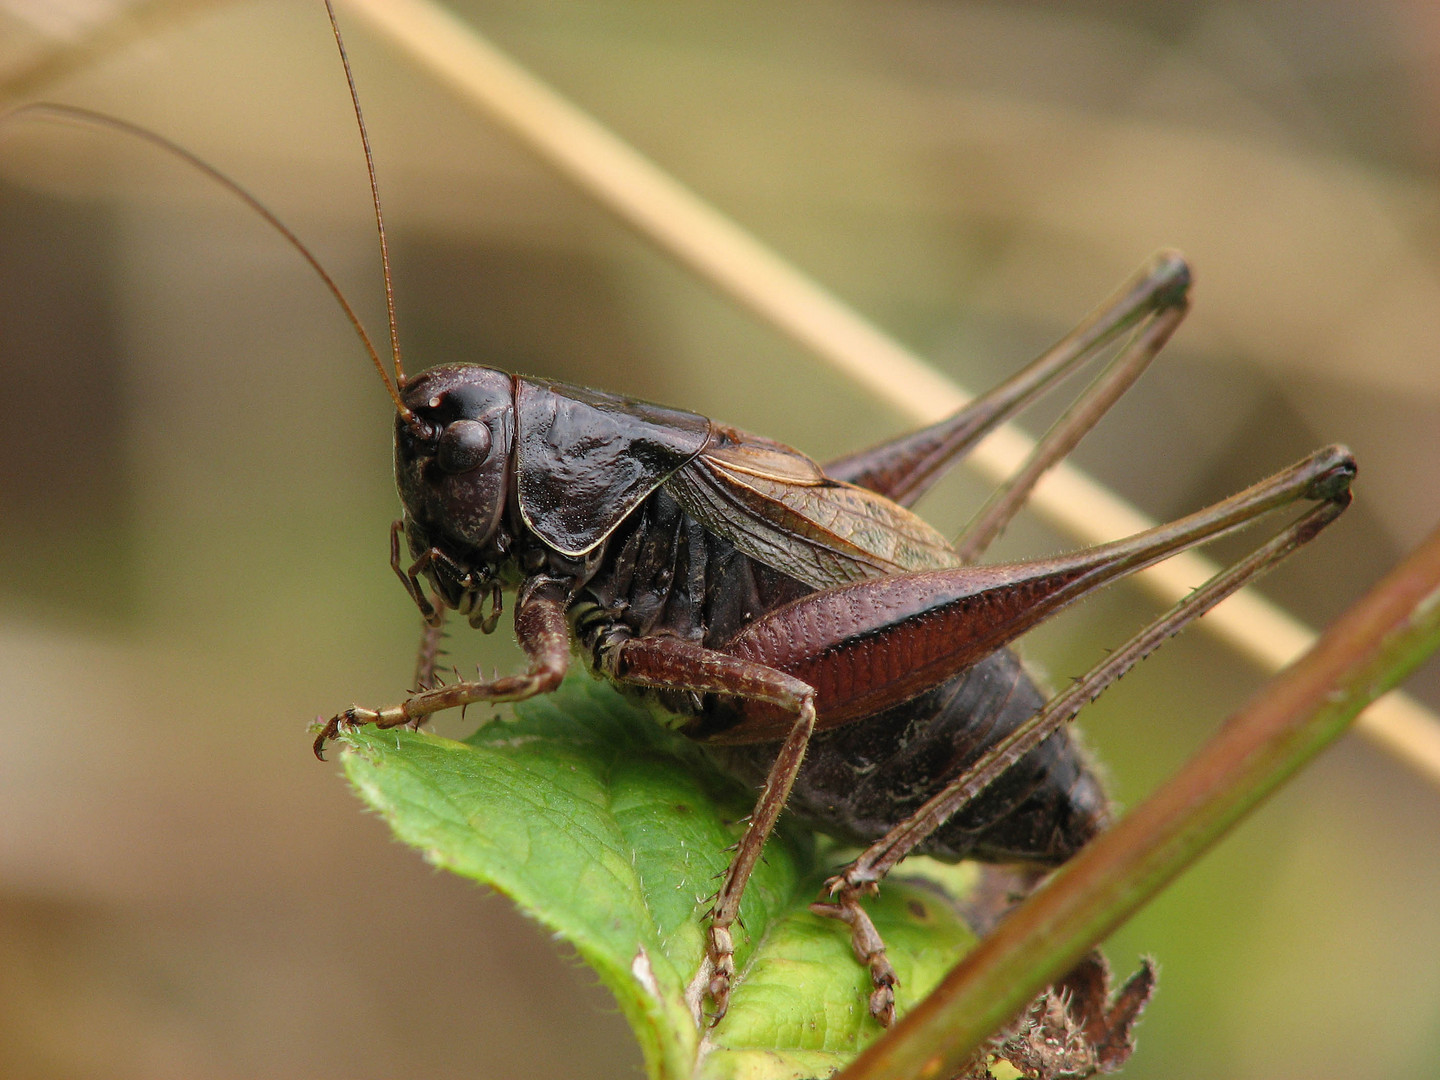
[869,950]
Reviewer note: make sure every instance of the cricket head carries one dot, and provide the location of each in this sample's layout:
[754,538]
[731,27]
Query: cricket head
[453,469]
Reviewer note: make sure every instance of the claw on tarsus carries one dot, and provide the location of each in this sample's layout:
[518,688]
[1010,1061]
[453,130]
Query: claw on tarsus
[722,960]
[328,730]
[339,724]
[868,945]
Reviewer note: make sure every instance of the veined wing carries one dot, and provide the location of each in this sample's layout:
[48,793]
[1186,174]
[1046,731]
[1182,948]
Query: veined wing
[778,507]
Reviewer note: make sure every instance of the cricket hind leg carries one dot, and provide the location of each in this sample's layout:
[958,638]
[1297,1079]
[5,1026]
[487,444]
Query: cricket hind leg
[868,645]
[871,645]
[1065,434]
[862,877]
[903,469]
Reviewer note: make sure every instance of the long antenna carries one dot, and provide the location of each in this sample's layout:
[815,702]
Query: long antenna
[374,197]
[76,114]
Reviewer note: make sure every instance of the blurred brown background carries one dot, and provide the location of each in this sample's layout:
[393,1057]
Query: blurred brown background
[195,492]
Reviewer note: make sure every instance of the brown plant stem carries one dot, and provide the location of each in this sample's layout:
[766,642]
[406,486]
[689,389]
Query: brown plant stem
[1301,711]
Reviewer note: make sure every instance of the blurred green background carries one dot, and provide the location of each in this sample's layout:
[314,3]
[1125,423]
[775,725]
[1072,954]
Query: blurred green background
[195,490]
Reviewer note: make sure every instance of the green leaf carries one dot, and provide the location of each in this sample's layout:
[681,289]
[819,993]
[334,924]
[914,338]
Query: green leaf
[612,831]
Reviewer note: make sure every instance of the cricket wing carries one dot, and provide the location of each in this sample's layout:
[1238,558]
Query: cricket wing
[778,507]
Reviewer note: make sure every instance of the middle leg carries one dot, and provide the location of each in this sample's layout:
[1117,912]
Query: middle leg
[668,663]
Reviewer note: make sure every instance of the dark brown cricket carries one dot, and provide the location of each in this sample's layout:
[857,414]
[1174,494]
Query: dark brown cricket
[797,619]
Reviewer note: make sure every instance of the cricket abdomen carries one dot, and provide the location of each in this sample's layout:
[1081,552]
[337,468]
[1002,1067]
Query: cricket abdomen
[860,780]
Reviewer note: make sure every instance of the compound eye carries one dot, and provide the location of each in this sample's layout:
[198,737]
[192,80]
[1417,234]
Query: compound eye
[464,445]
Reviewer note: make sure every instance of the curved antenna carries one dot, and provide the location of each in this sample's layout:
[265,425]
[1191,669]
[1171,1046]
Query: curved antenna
[76,114]
[374,197]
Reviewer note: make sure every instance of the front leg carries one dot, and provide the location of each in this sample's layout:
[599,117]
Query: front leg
[672,664]
[542,632]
